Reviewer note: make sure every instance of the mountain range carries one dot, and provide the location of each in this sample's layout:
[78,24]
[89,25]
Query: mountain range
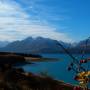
[3,43]
[42,45]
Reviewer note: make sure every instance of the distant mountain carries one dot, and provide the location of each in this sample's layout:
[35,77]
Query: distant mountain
[43,45]
[80,47]
[35,45]
[3,43]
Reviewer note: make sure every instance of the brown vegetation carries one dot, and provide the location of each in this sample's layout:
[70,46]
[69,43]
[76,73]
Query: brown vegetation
[12,78]
[17,79]
[11,59]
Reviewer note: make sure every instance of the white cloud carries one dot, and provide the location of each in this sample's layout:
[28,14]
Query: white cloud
[17,24]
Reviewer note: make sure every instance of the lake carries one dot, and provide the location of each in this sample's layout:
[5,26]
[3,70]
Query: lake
[56,69]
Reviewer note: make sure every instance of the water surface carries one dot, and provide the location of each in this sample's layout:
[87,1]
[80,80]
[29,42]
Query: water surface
[56,69]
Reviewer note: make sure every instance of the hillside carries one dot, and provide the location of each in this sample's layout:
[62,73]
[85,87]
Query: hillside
[34,45]
[44,45]
[81,47]
[3,43]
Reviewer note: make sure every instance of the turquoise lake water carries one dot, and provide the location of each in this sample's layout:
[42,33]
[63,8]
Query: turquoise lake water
[56,69]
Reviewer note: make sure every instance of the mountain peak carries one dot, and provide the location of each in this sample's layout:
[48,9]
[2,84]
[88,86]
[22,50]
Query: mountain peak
[28,38]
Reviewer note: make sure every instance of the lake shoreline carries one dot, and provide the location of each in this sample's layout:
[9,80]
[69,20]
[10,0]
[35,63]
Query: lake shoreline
[17,79]
[32,59]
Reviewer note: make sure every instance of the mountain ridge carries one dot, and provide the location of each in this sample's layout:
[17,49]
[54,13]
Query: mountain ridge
[43,45]
[33,45]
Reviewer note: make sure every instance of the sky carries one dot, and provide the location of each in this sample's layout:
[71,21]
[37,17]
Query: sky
[66,20]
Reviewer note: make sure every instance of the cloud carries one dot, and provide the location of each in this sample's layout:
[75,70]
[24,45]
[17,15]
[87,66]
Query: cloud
[17,24]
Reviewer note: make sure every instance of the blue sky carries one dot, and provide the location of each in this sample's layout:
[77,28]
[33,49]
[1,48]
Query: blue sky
[66,20]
